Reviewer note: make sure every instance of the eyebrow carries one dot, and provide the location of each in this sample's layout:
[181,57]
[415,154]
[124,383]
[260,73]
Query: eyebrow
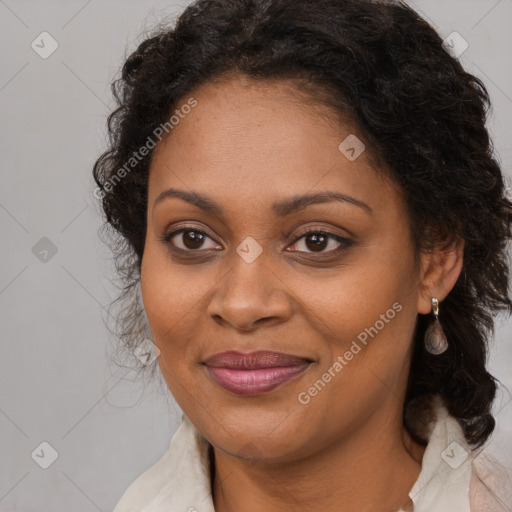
[281,208]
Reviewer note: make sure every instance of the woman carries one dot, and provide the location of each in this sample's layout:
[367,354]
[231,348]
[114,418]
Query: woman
[306,199]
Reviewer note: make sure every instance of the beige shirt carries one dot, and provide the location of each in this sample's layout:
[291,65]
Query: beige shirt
[452,478]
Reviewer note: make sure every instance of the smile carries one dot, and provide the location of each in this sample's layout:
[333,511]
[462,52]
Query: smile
[254,373]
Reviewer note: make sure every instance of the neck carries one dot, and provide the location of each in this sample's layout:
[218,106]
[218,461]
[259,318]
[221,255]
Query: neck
[375,466]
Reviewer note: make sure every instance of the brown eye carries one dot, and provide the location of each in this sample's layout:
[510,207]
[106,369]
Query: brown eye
[316,241]
[192,239]
[188,239]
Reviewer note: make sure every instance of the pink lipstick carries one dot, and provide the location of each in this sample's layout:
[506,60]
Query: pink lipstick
[254,373]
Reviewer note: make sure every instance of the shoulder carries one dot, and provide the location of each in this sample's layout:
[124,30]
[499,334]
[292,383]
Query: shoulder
[490,488]
[150,483]
[178,479]
[146,486]
[475,479]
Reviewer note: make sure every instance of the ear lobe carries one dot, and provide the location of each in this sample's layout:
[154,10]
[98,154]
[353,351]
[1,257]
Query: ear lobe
[440,270]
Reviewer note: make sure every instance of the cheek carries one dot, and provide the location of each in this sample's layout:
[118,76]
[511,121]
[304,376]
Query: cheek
[352,299]
[365,314]
[172,301]
[169,307]
[170,291]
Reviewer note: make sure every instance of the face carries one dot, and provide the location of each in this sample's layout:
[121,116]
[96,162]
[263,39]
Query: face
[235,265]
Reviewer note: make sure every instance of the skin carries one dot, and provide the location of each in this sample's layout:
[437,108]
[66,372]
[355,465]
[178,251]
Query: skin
[247,145]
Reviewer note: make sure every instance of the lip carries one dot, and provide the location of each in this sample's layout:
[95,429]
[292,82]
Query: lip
[254,373]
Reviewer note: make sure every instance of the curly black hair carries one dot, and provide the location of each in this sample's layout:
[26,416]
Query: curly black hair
[383,66]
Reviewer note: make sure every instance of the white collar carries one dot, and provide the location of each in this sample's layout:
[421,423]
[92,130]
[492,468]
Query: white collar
[443,483]
[180,480]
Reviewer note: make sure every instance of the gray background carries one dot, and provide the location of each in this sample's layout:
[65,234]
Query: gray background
[56,382]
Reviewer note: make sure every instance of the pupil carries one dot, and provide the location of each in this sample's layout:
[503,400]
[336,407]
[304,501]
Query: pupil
[192,239]
[319,242]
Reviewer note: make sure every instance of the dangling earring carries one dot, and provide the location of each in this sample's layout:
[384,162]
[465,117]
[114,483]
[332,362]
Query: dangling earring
[435,339]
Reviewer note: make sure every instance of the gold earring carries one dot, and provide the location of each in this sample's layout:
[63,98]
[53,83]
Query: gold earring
[435,338]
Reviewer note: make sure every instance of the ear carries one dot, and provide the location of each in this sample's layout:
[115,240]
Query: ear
[439,271]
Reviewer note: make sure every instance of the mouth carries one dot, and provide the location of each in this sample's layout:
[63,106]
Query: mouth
[254,373]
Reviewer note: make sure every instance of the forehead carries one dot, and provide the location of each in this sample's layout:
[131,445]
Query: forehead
[259,142]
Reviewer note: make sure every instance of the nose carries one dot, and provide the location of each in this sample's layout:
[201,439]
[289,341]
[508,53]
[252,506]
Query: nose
[250,295]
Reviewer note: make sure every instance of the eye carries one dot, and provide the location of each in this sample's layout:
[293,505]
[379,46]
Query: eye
[317,240]
[189,239]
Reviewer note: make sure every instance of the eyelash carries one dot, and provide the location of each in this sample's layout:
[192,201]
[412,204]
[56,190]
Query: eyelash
[344,242]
